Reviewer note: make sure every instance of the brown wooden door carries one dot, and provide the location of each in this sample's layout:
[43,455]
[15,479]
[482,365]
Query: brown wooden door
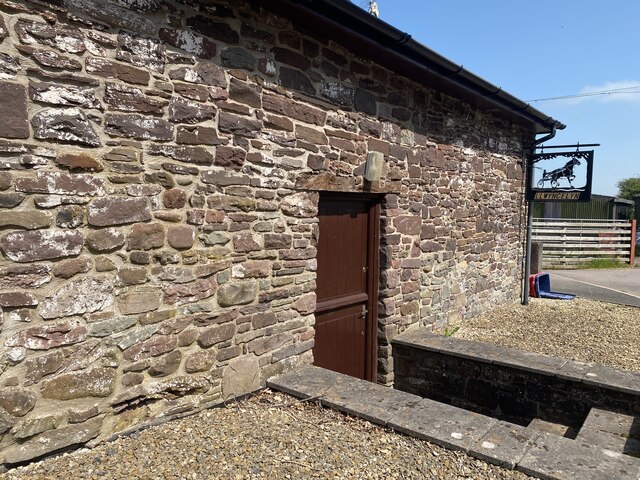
[345,334]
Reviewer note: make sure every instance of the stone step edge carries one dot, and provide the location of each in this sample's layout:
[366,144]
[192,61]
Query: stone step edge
[315,383]
[592,374]
[590,432]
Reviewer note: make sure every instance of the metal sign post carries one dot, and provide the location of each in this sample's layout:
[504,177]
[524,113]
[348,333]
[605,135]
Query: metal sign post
[555,184]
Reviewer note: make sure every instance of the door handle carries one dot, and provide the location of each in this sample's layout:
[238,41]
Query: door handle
[364,312]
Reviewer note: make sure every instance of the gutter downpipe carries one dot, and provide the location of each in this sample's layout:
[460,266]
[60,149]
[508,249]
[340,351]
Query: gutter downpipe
[527,254]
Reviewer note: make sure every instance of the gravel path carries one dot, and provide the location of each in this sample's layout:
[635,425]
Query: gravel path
[271,436]
[583,330]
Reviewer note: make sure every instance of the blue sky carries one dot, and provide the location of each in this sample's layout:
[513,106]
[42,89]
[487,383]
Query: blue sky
[546,49]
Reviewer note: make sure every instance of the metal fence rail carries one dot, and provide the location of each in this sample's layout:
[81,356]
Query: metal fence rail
[568,242]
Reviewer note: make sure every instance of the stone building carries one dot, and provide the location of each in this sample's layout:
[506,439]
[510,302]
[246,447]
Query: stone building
[167,171]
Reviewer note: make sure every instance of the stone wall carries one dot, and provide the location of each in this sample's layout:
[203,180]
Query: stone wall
[508,384]
[160,163]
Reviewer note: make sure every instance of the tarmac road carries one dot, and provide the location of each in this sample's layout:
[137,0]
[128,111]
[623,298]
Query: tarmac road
[615,285]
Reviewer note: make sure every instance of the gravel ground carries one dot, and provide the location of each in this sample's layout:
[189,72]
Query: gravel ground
[583,330]
[272,436]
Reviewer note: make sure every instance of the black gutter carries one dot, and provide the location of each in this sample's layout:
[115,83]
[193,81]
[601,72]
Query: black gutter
[349,16]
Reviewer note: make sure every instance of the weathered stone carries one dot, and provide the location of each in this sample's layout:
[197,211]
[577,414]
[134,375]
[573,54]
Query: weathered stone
[52,440]
[139,127]
[243,92]
[365,102]
[311,135]
[95,382]
[68,125]
[50,335]
[230,157]
[146,236]
[181,236]
[216,30]
[196,155]
[13,111]
[61,183]
[153,347]
[69,268]
[11,200]
[141,51]
[78,162]
[186,111]
[29,220]
[109,69]
[293,109]
[300,205]
[240,377]
[238,57]
[162,179]
[131,99]
[16,401]
[105,240]
[239,125]
[190,292]
[224,178]
[83,414]
[237,293]
[24,276]
[174,198]
[306,304]
[115,15]
[198,135]
[244,242]
[104,264]
[118,211]
[35,425]
[217,334]
[60,94]
[166,365]
[408,225]
[200,361]
[189,42]
[6,180]
[143,299]
[62,37]
[89,294]
[9,66]
[192,91]
[137,335]
[131,276]
[51,58]
[17,299]
[277,240]
[295,59]
[260,346]
[41,245]
[206,73]
[72,216]
[296,80]
[339,93]
[112,325]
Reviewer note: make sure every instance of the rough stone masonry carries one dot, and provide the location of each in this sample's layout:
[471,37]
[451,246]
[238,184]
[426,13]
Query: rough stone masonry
[160,169]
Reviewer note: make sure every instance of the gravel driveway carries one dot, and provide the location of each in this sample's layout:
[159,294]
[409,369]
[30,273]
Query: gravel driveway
[583,330]
[270,436]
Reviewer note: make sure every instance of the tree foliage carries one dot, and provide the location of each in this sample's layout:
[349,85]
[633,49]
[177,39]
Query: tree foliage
[629,187]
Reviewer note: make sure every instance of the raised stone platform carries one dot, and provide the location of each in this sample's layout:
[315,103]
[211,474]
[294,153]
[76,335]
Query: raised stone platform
[535,453]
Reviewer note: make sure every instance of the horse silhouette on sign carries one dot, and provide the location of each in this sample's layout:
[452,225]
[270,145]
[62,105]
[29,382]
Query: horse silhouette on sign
[555,175]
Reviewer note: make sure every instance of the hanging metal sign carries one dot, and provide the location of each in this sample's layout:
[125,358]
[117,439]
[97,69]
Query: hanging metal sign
[560,176]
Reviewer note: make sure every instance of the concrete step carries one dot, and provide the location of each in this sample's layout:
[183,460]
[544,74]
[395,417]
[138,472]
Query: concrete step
[612,430]
[535,453]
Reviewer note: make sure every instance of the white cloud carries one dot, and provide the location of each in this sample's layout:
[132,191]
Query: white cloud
[621,91]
